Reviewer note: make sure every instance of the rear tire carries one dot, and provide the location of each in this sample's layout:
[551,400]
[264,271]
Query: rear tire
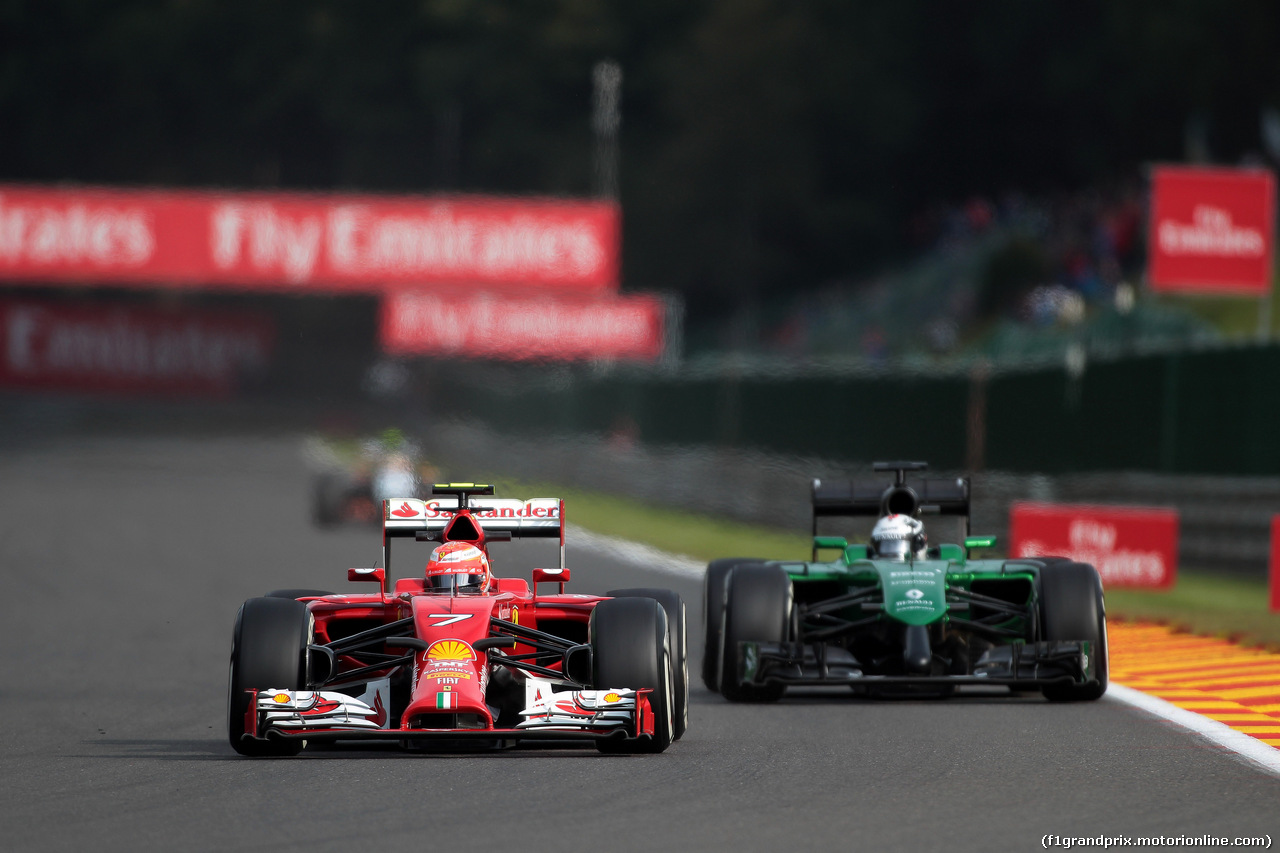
[713,616]
[673,606]
[268,650]
[630,649]
[758,603]
[1072,608]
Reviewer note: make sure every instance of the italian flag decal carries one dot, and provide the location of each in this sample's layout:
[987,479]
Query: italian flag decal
[446,701]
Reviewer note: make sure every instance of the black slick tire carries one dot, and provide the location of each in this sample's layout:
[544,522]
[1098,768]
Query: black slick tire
[268,650]
[629,649]
[713,616]
[673,606]
[1072,608]
[758,602]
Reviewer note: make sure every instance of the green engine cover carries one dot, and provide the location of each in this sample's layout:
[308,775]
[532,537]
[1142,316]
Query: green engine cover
[914,593]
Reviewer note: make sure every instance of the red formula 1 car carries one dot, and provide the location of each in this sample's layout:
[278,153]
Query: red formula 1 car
[455,657]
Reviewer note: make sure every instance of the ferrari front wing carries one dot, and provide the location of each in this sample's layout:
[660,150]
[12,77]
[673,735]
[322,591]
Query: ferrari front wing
[566,715]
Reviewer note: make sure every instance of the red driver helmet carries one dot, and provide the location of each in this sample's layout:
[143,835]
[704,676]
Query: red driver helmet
[458,566]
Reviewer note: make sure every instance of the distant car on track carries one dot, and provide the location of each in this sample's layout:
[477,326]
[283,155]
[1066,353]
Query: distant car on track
[454,656]
[352,479]
[898,616]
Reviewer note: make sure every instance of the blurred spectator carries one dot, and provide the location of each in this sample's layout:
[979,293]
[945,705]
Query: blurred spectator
[1034,260]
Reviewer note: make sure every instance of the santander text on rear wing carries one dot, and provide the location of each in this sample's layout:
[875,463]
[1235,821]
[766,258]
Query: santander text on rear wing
[534,517]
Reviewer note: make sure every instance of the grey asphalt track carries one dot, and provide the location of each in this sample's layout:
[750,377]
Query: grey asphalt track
[125,559]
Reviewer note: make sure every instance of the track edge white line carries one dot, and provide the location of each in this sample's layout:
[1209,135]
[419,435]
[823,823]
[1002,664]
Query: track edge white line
[643,556]
[1240,744]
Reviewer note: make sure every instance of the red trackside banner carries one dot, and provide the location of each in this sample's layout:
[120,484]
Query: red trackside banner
[131,350]
[1130,546]
[1212,230]
[305,243]
[485,325]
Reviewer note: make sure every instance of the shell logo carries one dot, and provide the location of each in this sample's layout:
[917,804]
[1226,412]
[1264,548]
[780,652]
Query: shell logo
[450,650]
[281,698]
[611,697]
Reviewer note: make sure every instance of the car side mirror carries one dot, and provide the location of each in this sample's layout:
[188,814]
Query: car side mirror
[560,576]
[854,553]
[376,575]
[820,543]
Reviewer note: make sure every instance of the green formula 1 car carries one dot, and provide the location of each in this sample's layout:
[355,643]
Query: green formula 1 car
[898,617]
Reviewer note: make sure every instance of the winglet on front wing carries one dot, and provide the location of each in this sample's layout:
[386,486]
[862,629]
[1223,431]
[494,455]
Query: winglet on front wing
[595,710]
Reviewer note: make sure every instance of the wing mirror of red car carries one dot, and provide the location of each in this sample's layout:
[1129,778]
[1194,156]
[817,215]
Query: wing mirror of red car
[560,576]
[377,574]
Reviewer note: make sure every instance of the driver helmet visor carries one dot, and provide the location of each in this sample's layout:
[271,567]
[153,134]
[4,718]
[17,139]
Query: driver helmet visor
[458,582]
[893,548]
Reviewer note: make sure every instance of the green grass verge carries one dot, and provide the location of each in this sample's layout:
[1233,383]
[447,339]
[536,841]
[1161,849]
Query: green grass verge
[1233,317]
[1203,603]
[701,537]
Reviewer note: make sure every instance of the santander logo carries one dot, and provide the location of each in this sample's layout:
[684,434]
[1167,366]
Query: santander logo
[381,716]
[405,511]
[538,508]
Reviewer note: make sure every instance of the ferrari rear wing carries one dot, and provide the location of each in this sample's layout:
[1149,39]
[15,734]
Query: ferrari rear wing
[499,519]
[536,517]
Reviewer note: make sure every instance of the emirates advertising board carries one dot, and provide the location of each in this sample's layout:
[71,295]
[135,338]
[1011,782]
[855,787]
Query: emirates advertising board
[304,243]
[1130,546]
[527,326]
[129,350]
[1212,230]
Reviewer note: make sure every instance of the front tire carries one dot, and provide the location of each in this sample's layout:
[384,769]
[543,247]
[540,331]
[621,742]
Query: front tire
[630,649]
[673,606]
[713,616]
[758,603]
[268,650]
[1072,607]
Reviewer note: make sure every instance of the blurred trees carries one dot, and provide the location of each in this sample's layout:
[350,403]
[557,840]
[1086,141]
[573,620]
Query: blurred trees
[766,145]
